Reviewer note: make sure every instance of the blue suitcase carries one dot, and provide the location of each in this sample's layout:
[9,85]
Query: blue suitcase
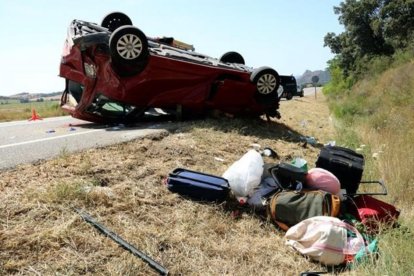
[198,186]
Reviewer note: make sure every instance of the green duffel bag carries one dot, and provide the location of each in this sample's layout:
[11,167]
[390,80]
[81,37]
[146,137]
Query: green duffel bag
[288,208]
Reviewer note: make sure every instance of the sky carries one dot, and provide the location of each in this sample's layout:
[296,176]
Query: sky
[285,35]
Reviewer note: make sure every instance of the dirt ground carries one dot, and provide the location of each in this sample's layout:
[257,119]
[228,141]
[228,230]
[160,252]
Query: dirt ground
[123,188]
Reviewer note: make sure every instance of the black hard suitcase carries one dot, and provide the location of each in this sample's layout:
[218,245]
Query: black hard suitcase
[346,164]
[197,185]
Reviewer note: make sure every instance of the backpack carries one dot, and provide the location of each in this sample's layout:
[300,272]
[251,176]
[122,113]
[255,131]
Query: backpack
[288,208]
[268,187]
[289,176]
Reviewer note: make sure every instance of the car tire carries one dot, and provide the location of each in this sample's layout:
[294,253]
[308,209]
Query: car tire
[232,57]
[114,20]
[289,96]
[129,50]
[267,82]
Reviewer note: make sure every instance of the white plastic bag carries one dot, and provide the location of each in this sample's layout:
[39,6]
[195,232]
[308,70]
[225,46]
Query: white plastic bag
[245,174]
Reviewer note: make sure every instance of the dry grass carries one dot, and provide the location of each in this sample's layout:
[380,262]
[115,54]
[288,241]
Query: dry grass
[381,117]
[387,127]
[14,110]
[122,187]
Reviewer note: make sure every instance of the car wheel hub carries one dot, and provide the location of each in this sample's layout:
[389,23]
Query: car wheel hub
[266,84]
[129,46]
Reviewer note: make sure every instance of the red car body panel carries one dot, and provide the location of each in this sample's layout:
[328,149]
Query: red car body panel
[165,82]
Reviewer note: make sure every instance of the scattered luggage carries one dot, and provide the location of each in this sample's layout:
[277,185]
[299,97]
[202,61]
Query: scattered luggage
[268,187]
[372,212]
[339,172]
[379,183]
[197,185]
[321,179]
[303,203]
[288,208]
[289,176]
[346,164]
[324,239]
[245,175]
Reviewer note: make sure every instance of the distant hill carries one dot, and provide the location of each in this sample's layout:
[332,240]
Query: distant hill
[324,77]
[32,96]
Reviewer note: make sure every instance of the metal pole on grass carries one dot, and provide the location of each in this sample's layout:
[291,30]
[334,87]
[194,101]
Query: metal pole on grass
[315,80]
[152,263]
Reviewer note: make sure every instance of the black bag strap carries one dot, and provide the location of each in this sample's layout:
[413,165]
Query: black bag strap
[295,181]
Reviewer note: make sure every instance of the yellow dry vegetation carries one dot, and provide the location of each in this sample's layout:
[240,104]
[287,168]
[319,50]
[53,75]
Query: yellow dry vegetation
[123,188]
[378,112]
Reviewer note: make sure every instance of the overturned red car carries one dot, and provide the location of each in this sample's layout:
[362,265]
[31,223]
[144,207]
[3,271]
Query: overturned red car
[115,73]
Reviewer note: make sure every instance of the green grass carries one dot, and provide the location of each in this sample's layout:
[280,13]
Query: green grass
[396,251]
[378,111]
[11,110]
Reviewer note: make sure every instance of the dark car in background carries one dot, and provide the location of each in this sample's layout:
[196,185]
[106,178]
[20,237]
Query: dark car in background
[290,87]
[115,73]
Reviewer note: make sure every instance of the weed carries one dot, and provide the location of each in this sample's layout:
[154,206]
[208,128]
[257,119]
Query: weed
[64,153]
[85,164]
[67,192]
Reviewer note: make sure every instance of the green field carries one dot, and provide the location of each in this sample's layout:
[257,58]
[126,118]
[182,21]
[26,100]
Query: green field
[11,110]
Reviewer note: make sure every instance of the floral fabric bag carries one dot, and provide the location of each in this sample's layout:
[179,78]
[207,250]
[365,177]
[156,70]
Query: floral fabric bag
[324,239]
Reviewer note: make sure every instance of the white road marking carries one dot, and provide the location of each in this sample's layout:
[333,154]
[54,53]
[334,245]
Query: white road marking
[49,138]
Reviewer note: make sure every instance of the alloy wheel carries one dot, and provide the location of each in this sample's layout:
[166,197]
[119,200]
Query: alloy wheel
[266,84]
[129,46]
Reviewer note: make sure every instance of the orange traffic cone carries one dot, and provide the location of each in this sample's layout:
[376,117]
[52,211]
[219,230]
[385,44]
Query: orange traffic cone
[35,116]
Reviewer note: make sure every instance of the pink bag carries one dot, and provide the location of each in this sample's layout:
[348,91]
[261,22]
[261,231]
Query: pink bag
[322,179]
[324,239]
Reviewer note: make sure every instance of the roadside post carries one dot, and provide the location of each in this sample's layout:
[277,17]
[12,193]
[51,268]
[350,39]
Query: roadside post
[315,80]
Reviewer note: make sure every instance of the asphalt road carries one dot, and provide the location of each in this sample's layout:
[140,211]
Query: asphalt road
[311,91]
[30,141]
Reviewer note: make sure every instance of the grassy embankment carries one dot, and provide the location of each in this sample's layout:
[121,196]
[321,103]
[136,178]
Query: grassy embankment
[12,110]
[122,186]
[378,111]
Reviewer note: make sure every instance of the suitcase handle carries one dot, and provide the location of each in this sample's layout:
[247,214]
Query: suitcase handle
[176,174]
[340,161]
[380,182]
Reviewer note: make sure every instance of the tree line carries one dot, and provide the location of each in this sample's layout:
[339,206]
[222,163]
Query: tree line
[372,28]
